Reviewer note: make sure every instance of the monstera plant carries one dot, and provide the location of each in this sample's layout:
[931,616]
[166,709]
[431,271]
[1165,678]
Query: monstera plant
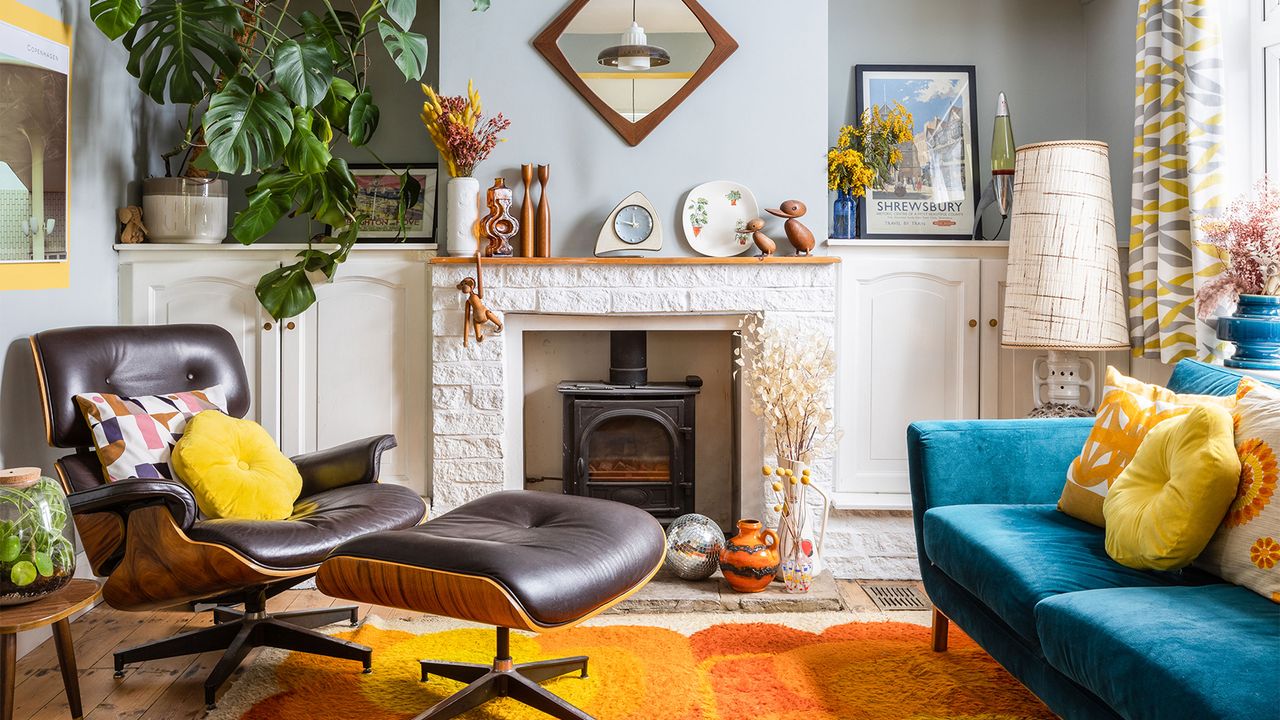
[269,92]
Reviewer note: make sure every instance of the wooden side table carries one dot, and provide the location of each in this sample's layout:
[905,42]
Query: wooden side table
[52,610]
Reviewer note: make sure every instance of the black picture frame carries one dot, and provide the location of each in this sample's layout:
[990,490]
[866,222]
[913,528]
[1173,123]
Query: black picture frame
[424,232]
[966,221]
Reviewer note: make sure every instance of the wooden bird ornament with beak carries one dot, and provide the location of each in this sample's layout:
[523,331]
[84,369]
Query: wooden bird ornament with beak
[800,236]
[475,313]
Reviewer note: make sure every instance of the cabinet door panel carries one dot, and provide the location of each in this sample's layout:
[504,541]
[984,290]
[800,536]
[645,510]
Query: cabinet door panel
[356,366]
[222,294]
[907,353]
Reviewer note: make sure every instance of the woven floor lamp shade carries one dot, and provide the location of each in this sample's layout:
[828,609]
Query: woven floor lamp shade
[1064,288]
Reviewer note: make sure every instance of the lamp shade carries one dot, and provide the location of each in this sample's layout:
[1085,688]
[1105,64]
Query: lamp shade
[1064,288]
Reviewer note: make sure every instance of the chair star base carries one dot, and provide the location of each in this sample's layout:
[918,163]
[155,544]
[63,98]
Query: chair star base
[237,632]
[504,678]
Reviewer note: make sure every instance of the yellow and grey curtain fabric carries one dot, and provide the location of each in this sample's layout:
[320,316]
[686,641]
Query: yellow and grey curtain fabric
[1177,174]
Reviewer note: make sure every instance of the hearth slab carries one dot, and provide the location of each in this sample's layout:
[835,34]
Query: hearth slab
[669,594]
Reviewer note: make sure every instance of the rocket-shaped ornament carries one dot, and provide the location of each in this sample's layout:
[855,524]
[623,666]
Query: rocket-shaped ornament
[1000,189]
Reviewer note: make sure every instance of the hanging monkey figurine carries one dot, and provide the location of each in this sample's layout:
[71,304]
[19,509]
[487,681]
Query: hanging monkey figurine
[476,313]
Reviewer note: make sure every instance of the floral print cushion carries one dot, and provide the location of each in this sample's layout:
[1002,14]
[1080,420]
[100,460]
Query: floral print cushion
[1128,411]
[1246,548]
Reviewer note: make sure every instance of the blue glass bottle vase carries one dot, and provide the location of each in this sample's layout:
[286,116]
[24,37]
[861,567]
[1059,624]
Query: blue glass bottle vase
[844,216]
[1255,329]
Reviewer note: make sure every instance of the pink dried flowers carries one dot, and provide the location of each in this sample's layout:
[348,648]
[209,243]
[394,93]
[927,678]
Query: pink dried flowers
[458,129]
[1247,238]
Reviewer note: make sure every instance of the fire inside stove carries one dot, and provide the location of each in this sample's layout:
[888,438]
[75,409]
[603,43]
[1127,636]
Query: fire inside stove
[629,449]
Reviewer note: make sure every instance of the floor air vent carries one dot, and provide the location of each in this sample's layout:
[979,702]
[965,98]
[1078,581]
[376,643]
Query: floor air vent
[896,596]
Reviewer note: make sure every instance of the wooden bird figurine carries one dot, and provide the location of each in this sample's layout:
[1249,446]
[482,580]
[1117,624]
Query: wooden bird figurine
[755,228]
[476,313]
[800,237]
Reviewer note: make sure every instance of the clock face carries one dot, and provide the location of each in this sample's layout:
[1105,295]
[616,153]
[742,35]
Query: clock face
[633,224]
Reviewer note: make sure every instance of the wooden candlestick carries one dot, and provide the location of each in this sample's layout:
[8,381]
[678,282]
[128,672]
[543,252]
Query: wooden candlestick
[543,221]
[527,211]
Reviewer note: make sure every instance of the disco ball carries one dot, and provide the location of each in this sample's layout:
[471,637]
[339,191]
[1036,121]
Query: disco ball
[693,547]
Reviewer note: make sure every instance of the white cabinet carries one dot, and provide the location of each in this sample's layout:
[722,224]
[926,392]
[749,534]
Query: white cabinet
[357,363]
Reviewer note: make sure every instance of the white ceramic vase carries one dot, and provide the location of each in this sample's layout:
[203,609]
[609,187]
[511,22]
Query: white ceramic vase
[464,216]
[185,210]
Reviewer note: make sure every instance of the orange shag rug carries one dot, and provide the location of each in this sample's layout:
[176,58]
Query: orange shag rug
[725,672]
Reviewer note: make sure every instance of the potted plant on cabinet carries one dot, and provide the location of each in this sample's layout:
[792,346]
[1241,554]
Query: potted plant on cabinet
[864,156]
[269,91]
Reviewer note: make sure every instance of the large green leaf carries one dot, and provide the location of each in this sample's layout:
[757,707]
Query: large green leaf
[265,209]
[401,11]
[338,32]
[363,121]
[178,47]
[336,105]
[286,292]
[305,154]
[246,127]
[303,70]
[410,194]
[408,50]
[115,17]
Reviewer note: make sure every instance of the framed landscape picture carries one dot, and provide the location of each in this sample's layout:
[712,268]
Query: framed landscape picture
[378,194]
[933,191]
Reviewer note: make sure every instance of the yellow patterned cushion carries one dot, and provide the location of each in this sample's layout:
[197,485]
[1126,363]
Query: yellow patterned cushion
[1164,507]
[1129,410]
[1246,547]
[235,470]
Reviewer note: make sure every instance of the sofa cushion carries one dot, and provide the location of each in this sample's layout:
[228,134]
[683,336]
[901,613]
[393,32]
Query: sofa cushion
[1013,556]
[1162,652]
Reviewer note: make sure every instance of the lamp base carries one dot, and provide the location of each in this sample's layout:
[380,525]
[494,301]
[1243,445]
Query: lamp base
[1059,410]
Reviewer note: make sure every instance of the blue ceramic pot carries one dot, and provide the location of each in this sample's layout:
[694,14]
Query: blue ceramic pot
[1255,330]
[844,216]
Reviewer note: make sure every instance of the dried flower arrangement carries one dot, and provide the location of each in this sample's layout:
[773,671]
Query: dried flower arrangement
[788,371]
[457,127]
[865,154]
[1247,240]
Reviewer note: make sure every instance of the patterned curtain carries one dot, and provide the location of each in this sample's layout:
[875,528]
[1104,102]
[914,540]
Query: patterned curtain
[1177,174]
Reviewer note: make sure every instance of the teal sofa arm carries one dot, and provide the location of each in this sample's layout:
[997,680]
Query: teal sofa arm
[989,462]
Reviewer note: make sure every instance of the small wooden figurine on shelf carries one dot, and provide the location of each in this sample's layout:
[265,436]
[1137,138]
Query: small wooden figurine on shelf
[527,213]
[498,226]
[542,233]
[755,228]
[800,237]
[132,231]
[476,314]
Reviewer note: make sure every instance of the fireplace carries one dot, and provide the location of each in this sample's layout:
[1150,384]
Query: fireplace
[630,440]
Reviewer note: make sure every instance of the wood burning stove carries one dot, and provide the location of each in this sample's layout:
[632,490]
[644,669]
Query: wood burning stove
[630,440]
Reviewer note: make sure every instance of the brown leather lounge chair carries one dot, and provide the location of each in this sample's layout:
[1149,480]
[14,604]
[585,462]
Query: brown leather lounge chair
[148,538]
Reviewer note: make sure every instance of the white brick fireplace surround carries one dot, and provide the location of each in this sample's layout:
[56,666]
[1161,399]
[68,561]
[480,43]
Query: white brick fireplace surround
[477,391]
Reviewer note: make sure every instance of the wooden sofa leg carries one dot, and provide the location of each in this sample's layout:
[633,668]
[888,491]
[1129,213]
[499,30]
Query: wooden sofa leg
[940,626]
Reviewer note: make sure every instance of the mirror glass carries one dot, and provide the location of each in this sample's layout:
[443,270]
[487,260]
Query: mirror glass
[635,55]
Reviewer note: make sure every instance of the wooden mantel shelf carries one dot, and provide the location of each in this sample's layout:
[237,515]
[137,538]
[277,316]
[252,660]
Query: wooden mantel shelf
[787,260]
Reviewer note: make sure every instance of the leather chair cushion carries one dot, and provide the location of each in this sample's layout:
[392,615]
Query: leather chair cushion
[318,524]
[559,556]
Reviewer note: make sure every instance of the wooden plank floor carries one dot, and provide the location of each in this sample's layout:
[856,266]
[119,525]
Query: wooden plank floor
[172,689]
[156,690]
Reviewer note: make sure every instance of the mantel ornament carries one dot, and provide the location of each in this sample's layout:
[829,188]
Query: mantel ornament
[476,314]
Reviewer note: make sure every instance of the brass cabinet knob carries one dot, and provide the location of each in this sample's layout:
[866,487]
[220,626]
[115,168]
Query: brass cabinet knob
[973,323]
[290,326]
[993,322]
[267,326]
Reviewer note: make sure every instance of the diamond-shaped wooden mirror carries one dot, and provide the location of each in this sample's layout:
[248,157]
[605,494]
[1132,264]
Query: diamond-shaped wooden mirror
[635,61]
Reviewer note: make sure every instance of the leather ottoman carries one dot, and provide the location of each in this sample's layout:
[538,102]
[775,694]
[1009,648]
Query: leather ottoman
[526,560]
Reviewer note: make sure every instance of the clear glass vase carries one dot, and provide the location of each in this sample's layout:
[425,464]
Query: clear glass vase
[37,547]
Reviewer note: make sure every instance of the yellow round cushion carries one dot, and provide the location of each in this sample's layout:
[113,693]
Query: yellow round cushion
[1166,505]
[235,470]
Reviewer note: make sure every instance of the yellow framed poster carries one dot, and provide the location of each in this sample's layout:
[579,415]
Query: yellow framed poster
[35,148]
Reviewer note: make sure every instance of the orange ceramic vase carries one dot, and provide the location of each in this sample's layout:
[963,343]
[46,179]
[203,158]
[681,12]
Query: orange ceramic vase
[750,559]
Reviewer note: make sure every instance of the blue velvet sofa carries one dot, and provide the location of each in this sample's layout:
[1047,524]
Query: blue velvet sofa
[1035,588]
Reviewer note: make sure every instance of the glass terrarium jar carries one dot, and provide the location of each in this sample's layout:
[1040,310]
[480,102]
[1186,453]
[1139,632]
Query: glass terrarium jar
[37,550]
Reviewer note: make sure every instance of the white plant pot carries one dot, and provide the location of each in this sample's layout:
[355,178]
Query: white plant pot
[185,210]
[464,216]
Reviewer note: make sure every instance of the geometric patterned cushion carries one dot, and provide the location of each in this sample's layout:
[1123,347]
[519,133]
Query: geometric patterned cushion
[1245,549]
[135,436]
[1127,412]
